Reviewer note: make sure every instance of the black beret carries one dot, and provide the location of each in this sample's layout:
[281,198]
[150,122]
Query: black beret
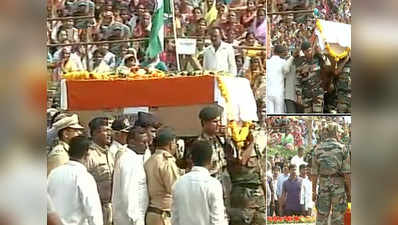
[147,120]
[164,136]
[305,45]
[98,122]
[210,112]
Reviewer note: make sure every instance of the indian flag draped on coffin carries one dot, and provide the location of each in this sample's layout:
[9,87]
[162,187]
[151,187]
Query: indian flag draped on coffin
[334,37]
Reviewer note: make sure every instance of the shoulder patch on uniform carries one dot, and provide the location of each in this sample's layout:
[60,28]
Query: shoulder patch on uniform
[167,155]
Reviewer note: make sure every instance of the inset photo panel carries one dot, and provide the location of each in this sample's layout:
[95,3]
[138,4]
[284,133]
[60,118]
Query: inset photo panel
[308,170]
[309,59]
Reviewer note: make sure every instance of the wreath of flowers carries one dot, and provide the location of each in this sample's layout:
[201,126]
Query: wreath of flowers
[239,133]
[334,54]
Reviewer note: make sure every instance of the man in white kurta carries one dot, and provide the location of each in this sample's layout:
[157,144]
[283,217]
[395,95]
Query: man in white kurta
[298,159]
[277,68]
[306,191]
[74,192]
[197,196]
[219,56]
[130,192]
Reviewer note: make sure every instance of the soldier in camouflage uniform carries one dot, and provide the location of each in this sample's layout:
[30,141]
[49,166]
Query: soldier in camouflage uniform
[343,86]
[210,120]
[331,164]
[308,83]
[248,203]
[100,163]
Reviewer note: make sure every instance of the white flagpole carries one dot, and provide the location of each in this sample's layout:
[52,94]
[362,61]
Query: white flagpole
[175,34]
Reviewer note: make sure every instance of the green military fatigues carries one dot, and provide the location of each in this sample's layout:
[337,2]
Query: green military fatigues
[248,205]
[308,86]
[330,161]
[219,166]
[343,86]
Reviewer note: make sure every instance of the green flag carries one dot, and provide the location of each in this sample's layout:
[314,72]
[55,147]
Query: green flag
[156,38]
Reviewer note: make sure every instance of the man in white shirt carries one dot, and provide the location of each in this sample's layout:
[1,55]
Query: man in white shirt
[277,68]
[73,190]
[290,85]
[275,205]
[306,191]
[198,197]
[130,192]
[219,56]
[298,159]
[120,130]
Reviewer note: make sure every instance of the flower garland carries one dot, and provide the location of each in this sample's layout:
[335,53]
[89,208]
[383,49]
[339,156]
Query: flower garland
[239,134]
[85,75]
[290,220]
[335,55]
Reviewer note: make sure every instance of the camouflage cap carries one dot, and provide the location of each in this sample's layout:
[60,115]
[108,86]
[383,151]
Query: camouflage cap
[332,129]
[164,136]
[210,112]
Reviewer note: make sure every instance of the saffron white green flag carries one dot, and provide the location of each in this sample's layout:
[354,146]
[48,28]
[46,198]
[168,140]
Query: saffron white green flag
[156,38]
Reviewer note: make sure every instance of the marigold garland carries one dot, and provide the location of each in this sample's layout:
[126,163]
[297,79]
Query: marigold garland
[335,55]
[239,134]
[85,75]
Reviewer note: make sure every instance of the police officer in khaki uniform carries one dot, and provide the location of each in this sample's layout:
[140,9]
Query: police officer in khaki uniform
[68,127]
[162,173]
[100,163]
[210,121]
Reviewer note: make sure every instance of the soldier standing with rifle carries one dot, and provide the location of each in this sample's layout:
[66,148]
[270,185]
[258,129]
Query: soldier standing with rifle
[331,165]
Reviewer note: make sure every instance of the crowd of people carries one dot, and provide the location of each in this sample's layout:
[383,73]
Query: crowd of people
[237,23]
[301,77]
[301,182]
[120,171]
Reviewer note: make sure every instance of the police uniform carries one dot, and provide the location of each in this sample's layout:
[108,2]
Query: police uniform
[162,173]
[330,162]
[58,156]
[343,88]
[308,84]
[100,164]
[218,160]
[248,206]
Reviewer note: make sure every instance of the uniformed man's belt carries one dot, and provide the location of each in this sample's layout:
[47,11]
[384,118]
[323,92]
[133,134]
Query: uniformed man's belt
[248,185]
[158,211]
[334,175]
